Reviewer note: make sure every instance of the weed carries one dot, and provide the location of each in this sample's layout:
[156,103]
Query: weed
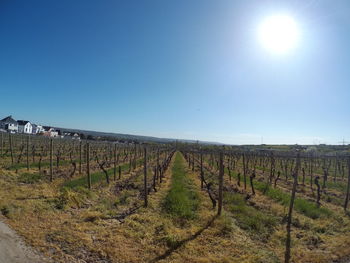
[225,225]
[29,178]
[249,218]
[301,205]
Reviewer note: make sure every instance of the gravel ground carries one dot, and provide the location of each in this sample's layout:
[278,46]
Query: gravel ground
[13,249]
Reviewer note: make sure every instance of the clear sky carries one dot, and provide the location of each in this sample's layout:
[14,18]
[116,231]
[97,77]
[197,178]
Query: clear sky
[180,69]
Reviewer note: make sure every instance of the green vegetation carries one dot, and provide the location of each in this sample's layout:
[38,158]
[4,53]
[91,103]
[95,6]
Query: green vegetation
[340,186]
[182,200]
[70,198]
[259,223]
[65,219]
[30,178]
[95,177]
[301,205]
[82,181]
[36,165]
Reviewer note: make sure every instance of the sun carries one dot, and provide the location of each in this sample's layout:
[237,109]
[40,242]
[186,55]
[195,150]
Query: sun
[278,33]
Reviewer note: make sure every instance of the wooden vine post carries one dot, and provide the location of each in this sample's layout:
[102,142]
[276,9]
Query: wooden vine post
[158,167]
[1,143]
[145,177]
[202,175]
[291,205]
[221,177]
[311,172]
[192,161]
[317,178]
[252,176]
[115,163]
[11,148]
[80,157]
[88,165]
[348,187]
[272,166]
[155,179]
[244,172]
[134,161]
[28,153]
[51,154]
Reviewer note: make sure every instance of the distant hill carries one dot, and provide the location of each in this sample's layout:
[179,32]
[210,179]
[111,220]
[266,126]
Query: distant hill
[140,138]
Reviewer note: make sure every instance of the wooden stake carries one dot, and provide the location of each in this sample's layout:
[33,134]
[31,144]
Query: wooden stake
[51,154]
[11,148]
[28,153]
[88,165]
[115,163]
[1,143]
[244,172]
[145,177]
[80,157]
[348,188]
[202,175]
[291,205]
[221,176]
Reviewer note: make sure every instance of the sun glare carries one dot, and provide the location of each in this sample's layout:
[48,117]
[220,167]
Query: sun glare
[279,33]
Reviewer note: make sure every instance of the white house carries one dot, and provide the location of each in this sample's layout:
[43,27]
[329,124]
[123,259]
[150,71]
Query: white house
[76,136]
[37,129]
[50,131]
[9,124]
[34,128]
[71,135]
[25,127]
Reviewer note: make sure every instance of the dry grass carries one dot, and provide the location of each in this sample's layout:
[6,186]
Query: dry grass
[77,225]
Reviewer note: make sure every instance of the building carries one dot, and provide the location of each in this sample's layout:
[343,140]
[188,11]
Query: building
[50,131]
[25,127]
[37,129]
[9,124]
[71,135]
[76,136]
[40,129]
[59,133]
[34,128]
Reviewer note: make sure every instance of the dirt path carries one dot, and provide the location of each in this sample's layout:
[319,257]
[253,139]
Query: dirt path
[13,249]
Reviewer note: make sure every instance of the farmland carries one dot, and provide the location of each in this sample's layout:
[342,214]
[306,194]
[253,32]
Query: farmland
[95,201]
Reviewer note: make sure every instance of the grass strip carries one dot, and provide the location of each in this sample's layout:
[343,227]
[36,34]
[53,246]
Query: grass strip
[182,200]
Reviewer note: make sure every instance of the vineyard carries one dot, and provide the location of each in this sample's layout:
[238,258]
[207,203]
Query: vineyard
[96,201]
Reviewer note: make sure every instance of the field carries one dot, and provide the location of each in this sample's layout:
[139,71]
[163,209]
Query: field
[95,201]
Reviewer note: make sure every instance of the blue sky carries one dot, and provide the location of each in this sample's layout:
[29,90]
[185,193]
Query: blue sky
[180,69]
